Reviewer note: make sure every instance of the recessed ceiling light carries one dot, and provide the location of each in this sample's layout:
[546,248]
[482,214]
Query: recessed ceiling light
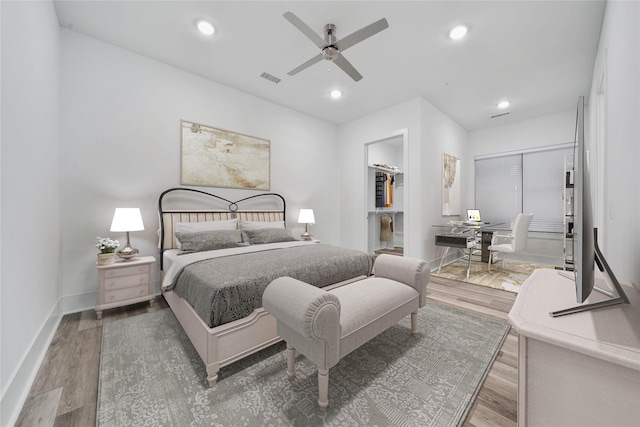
[205,27]
[335,94]
[503,104]
[458,32]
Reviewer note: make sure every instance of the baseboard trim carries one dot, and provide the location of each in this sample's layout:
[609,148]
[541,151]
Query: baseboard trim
[15,395]
[79,302]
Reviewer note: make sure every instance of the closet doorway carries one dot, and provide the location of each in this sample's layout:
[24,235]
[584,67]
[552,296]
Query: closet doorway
[385,195]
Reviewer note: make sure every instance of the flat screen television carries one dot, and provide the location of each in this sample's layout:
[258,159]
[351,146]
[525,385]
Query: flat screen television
[586,253]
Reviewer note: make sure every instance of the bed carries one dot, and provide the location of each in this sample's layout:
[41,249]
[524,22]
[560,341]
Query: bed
[216,258]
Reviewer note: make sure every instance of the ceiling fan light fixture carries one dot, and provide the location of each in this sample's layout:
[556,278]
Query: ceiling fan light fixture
[458,32]
[330,53]
[503,104]
[336,93]
[205,27]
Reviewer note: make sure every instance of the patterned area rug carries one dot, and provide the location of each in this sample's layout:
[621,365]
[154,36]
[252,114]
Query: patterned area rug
[150,374]
[509,277]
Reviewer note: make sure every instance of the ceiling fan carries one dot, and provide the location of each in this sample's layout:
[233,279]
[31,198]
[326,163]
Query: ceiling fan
[331,48]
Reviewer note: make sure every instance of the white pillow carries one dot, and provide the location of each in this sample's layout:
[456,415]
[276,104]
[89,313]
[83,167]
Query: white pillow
[194,227]
[256,225]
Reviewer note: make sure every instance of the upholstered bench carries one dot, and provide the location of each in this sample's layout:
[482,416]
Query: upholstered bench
[327,325]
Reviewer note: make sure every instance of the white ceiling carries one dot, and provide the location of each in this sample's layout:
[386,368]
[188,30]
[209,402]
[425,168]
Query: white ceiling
[537,54]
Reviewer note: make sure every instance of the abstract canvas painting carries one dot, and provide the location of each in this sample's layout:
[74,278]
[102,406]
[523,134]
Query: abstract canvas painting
[450,185]
[219,158]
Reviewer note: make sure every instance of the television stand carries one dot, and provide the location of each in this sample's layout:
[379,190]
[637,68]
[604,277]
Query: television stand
[578,370]
[621,297]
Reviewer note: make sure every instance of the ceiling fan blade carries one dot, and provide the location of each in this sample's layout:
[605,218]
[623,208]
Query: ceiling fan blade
[306,30]
[307,64]
[346,66]
[363,33]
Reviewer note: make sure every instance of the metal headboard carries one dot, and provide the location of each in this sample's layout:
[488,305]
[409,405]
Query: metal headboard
[232,210]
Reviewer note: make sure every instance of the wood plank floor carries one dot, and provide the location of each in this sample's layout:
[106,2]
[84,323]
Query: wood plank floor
[65,391]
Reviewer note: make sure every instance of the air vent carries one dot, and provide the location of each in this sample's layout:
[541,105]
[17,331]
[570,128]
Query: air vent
[270,77]
[500,115]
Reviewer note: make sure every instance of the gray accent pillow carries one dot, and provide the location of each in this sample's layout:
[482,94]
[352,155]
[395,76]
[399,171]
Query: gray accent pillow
[267,235]
[209,240]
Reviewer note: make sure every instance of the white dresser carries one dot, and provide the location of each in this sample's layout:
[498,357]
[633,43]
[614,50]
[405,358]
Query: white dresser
[581,369]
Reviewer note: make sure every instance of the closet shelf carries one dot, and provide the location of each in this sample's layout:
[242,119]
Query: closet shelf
[380,168]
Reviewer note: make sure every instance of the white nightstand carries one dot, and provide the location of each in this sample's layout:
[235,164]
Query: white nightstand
[124,283]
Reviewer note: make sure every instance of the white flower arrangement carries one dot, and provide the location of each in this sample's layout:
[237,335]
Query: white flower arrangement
[106,245]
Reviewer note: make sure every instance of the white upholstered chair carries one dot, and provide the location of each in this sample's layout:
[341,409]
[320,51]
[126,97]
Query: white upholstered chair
[516,241]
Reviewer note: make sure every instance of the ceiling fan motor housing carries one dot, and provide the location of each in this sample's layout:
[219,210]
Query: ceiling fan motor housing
[330,52]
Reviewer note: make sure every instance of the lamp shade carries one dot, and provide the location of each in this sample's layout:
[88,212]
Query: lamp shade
[127,219]
[306,216]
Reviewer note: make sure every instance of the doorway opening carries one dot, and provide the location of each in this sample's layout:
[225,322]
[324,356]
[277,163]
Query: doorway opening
[386,204]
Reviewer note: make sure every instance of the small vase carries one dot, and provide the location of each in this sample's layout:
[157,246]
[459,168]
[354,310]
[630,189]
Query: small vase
[106,259]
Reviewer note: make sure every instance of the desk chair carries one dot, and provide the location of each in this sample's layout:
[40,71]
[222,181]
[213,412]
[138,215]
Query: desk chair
[516,241]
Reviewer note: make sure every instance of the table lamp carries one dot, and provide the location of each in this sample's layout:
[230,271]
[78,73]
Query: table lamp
[306,217]
[127,219]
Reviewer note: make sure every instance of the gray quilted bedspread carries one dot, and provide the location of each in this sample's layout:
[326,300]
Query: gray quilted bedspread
[229,288]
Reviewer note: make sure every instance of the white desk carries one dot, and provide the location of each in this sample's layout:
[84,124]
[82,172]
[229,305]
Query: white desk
[463,237]
[581,369]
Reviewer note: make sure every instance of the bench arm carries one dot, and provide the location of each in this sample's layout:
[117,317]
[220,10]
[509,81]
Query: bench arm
[307,310]
[410,271]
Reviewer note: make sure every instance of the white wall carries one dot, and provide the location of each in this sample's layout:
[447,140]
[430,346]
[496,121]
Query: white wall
[439,134]
[120,147]
[618,63]
[429,133]
[30,224]
[551,129]
[353,136]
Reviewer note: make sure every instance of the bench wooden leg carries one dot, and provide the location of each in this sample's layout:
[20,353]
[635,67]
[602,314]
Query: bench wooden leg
[323,388]
[291,361]
[414,322]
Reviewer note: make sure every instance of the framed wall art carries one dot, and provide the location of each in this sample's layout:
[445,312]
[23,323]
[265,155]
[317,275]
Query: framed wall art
[214,157]
[450,185]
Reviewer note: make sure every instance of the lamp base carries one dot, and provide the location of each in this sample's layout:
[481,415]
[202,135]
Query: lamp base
[127,253]
[306,235]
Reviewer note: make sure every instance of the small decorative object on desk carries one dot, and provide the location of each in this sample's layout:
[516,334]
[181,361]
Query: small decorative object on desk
[107,249]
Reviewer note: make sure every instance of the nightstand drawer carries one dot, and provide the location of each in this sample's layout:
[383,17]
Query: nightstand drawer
[126,282]
[125,294]
[126,271]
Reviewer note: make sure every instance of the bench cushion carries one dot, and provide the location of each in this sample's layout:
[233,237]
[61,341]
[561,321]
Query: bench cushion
[370,306]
